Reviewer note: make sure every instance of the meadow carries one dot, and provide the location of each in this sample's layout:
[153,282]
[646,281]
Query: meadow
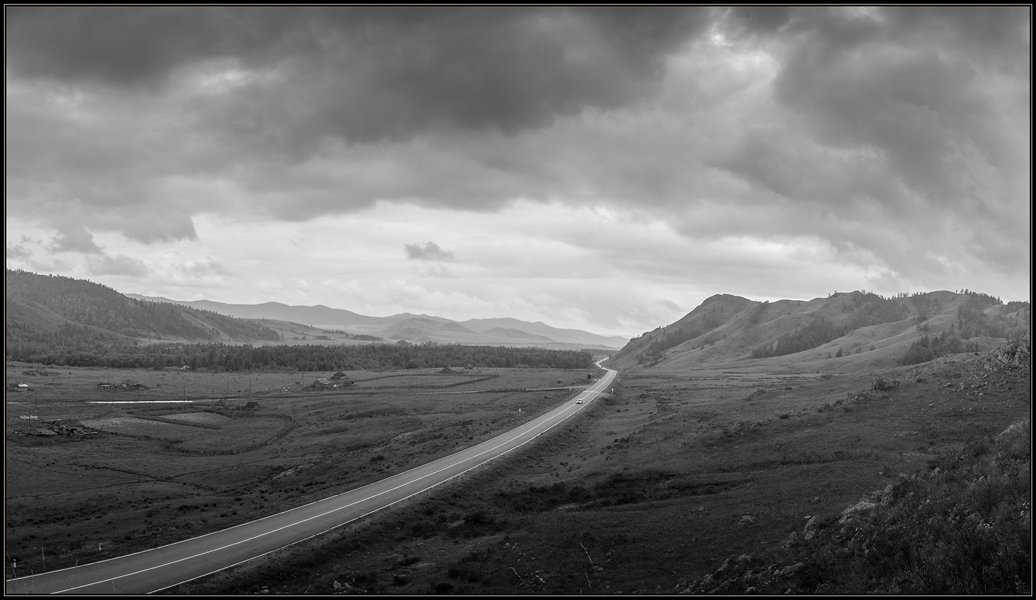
[661,485]
[666,481]
[186,455]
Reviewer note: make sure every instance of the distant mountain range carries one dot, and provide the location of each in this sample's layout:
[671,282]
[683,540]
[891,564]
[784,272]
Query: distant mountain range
[853,329]
[406,326]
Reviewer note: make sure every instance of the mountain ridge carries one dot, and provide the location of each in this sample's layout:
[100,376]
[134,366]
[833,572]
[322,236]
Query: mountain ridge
[855,328]
[419,328]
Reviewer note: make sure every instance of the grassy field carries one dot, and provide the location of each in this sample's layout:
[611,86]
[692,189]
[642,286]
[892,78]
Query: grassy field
[153,473]
[664,481]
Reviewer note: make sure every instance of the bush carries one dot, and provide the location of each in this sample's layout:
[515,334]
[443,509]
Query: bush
[881,384]
[964,530]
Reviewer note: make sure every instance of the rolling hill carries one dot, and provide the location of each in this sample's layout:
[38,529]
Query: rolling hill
[411,327]
[854,329]
[55,310]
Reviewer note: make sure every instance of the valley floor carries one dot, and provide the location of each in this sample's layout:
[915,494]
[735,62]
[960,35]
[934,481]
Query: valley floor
[663,484]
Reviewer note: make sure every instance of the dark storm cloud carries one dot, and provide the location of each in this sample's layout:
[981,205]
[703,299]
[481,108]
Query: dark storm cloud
[427,251]
[136,46]
[910,121]
[902,132]
[75,239]
[367,73]
[123,100]
[894,81]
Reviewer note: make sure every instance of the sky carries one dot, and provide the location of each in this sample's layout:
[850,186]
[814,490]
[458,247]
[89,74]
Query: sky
[598,168]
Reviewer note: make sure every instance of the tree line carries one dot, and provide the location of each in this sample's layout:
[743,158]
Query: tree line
[926,349]
[817,333]
[225,357]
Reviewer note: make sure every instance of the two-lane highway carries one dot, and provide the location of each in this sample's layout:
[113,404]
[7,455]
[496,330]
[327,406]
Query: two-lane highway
[166,566]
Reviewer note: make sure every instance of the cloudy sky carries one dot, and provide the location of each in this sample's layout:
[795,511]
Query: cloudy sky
[597,168]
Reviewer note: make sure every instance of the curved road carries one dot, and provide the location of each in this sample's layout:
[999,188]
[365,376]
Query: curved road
[166,566]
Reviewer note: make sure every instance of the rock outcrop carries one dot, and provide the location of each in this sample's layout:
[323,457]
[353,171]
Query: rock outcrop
[1012,355]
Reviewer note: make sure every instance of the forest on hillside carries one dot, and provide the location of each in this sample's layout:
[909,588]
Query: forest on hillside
[224,357]
[51,310]
[865,309]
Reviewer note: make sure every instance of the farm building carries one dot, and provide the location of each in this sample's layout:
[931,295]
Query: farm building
[20,387]
[322,383]
[251,406]
[129,384]
[339,375]
[67,427]
[106,386]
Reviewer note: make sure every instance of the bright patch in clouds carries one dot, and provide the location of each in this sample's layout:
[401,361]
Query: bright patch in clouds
[605,168]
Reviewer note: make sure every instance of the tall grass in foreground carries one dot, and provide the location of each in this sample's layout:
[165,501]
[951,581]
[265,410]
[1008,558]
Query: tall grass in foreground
[963,528]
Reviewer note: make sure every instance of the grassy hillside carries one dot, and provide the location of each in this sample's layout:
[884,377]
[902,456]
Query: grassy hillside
[61,311]
[845,330]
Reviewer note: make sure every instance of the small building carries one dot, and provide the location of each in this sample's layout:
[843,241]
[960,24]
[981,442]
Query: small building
[129,384]
[322,383]
[251,406]
[67,427]
[21,387]
[339,375]
[106,386]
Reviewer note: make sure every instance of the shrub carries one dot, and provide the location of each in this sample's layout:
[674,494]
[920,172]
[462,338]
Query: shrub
[882,384]
[964,530]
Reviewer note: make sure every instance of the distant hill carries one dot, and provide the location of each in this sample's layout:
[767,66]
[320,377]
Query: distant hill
[853,329]
[570,336]
[414,328]
[56,310]
[316,316]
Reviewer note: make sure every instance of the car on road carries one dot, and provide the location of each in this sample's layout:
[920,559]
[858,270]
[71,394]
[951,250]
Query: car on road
[579,401]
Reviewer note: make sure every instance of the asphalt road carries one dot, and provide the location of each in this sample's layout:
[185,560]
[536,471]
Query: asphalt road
[166,566]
